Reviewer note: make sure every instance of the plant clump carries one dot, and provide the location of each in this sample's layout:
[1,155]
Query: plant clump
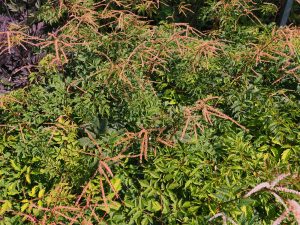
[148,112]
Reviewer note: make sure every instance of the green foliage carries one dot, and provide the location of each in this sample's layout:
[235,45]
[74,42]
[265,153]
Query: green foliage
[128,121]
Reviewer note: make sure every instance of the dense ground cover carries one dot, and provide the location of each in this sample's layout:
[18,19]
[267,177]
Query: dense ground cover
[148,112]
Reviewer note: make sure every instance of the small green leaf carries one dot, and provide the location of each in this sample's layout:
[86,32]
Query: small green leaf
[27,177]
[86,142]
[173,186]
[135,217]
[40,203]
[188,183]
[154,174]
[156,206]
[41,193]
[33,191]
[263,148]
[286,155]
[24,206]
[144,183]
[274,151]
[129,204]
[276,141]
[193,209]
[114,205]
[186,204]
[5,207]
[15,166]
[116,182]
[145,221]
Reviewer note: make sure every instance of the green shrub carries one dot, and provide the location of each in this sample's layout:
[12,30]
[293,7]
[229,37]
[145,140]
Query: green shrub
[130,121]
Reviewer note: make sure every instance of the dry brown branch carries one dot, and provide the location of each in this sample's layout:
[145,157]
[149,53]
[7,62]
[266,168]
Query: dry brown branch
[143,135]
[6,99]
[62,44]
[224,217]
[16,38]
[184,8]
[102,190]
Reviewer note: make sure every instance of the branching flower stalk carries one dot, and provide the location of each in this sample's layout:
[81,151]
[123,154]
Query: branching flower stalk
[291,206]
[207,112]
[224,217]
